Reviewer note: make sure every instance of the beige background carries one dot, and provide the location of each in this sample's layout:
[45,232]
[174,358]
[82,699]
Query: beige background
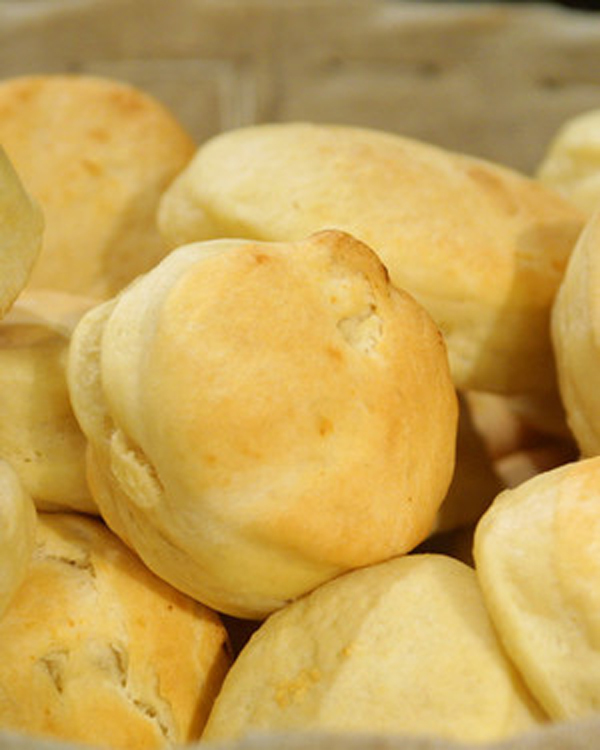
[493,80]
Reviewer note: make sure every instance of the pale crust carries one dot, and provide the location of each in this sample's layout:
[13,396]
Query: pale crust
[96,649]
[264,416]
[571,165]
[96,154]
[403,647]
[576,339]
[481,247]
[536,554]
[47,449]
[17,534]
[21,229]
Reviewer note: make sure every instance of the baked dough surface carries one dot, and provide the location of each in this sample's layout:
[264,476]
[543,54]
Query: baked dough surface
[481,247]
[95,649]
[264,416]
[536,554]
[96,154]
[403,647]
[39,434]
[571,165]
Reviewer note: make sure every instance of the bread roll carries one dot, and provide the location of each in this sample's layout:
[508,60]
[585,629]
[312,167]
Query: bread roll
[571,165]
[576,339]
[482,248]
[39,434]
[17,534]
[264,416]
[403,647]
[21,229]
[536,554]
[95,649]
[97,154]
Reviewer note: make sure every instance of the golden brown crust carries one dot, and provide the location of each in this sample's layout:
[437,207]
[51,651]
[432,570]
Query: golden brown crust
[96,154]
[263,416]
[96,649]
[481,247]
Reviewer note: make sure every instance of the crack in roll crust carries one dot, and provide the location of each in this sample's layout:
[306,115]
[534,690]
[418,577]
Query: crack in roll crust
[94,648]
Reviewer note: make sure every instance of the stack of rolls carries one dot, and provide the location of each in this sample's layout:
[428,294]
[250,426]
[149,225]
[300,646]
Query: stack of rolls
[21,227]
[94,647]
[306,441]
[48,450]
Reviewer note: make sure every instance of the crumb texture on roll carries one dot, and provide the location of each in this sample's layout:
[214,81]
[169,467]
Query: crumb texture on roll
[97,155]
[481,247]
[263,416]
[403,647]
[95,649]
[536,555]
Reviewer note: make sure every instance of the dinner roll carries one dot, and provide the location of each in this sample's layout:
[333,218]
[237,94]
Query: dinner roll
[482,248]
[576,339]
[264,416]
[571,164]
[405,646]
[17,534]
[536,554]
[39,434]
[95,649]
[21,229]
[97,154]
